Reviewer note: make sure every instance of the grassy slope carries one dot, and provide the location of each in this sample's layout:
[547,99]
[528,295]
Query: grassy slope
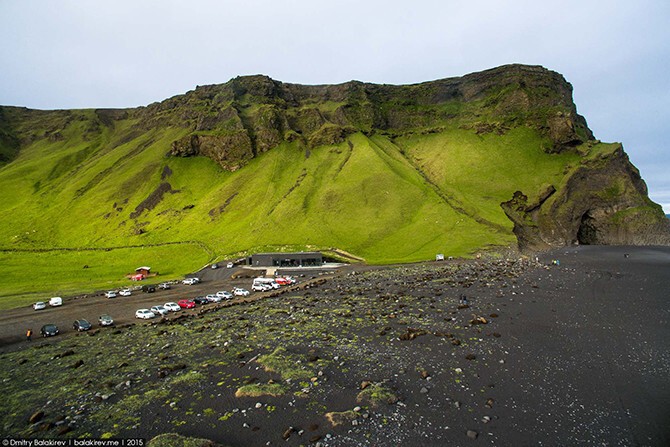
[29,276]
[386,201]
[482,171]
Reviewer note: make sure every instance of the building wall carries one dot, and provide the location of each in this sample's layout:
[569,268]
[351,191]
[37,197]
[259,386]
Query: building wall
[307,259]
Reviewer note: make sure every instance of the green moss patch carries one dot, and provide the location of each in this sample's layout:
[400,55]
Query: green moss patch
[377,395]
[260,389]
[286,364]
[176,440]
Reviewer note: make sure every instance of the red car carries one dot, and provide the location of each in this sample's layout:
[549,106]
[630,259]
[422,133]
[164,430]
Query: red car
[186,304]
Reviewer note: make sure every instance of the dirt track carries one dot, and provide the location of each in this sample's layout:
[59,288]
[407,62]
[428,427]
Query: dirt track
[15,322]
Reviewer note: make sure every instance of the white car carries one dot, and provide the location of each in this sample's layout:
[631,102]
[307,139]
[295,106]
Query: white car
[164,286]
[230,265]
[110,294]
[212,298]
[261,287]
[145,314]
[240,292]
[125,292]
[56,301]
[172,307]
[224,294]
[190,281]
[40,305]
[159,310]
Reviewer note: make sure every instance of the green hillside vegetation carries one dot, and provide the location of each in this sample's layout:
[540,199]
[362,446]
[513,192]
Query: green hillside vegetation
[36,276]
[388,173]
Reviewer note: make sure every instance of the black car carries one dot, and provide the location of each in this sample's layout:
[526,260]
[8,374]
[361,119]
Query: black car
[49,330]
[201,300]
[81,325]
[148,289]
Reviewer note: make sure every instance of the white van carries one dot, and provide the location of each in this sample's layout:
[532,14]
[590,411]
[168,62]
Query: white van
[56,301]
[269,281]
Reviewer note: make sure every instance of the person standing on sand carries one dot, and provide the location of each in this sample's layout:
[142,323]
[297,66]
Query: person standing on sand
[29,335]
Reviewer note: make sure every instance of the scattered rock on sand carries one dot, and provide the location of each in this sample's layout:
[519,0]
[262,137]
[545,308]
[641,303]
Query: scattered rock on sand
[287,432]
[340,417]
[77,364]
[36,417]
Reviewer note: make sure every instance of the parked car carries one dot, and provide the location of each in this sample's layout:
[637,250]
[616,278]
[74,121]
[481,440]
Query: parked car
[224,294]
[240,292]
[215,266]
[49,330]
[266,281]
[148,288]
[212,298]
[82,325]
[56,301]
[164,286]
[186,304]
[284,280]
[201,300]
[230,265]
[105,320]
[172,307]
[40,305]
[261,287]
[159,310]
[191,281]
[145,314]
[125,292]
[110,294]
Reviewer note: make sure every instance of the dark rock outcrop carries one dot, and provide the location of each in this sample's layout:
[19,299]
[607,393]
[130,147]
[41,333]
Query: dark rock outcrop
[603,201]
[249,115]
[230,150]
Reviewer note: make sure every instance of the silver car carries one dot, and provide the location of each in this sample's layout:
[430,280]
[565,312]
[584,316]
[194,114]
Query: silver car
[159,310]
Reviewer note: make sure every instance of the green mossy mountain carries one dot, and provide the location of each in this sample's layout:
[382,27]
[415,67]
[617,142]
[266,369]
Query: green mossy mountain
[387,173]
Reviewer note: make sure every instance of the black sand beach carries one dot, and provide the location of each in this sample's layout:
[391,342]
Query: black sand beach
[540,354]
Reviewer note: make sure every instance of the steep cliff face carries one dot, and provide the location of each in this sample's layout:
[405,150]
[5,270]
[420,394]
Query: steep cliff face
[259,113]
[603,201]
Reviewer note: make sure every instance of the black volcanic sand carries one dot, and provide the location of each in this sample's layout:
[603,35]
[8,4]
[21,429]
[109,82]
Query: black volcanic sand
[541,354]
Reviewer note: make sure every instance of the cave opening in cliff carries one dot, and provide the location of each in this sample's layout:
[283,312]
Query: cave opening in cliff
[587,234]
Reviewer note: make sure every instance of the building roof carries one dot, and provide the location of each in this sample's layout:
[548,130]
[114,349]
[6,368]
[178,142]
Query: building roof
[314,253]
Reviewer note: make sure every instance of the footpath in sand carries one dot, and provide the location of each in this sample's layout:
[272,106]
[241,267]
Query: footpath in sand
[487,352]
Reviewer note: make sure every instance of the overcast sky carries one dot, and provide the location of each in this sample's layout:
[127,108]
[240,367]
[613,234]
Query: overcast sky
[126,53]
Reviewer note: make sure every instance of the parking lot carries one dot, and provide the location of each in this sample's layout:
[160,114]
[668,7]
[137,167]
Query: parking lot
[15,322]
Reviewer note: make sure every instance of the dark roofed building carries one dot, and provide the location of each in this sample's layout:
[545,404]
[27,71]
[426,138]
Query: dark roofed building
[301,259]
